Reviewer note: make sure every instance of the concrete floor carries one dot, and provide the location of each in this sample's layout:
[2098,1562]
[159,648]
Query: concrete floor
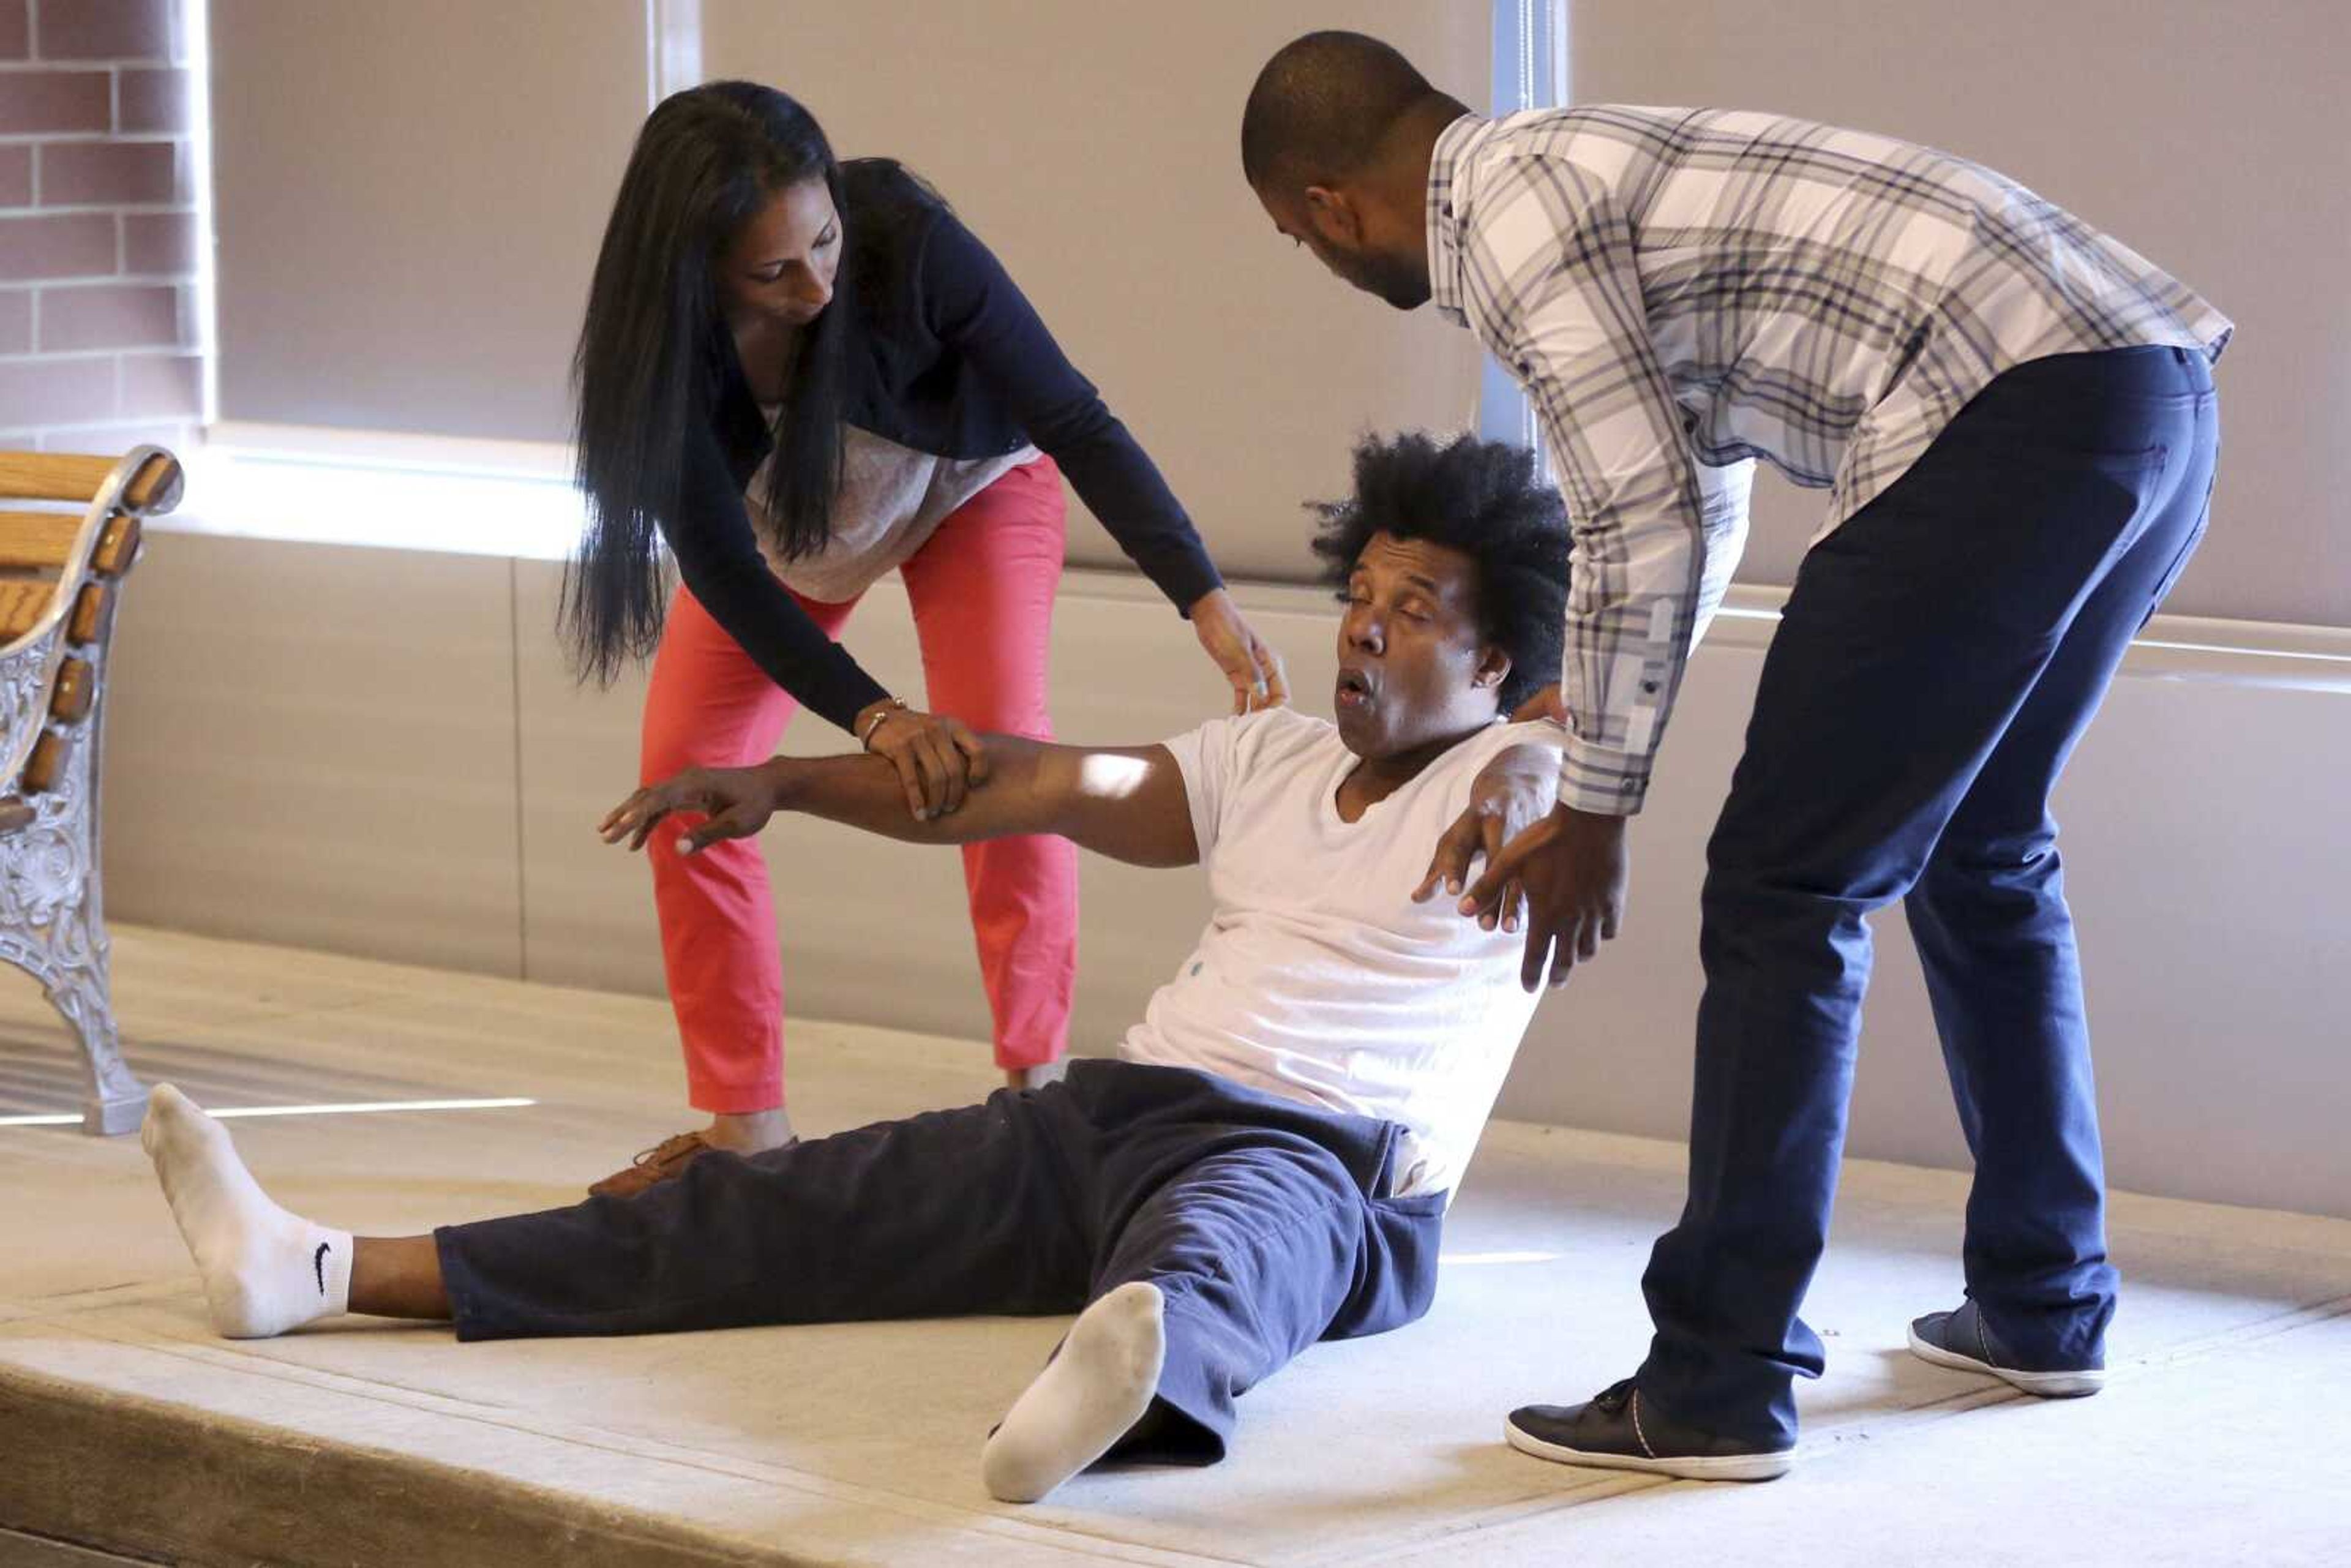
[2221,1437]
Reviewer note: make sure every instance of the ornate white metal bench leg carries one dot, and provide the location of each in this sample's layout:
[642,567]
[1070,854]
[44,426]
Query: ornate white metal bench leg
[53,927]
[72,969]
[113,1100]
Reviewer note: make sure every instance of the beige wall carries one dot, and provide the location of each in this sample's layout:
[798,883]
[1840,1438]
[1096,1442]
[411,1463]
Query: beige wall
[408,199]
[1095,147]
[2205,133]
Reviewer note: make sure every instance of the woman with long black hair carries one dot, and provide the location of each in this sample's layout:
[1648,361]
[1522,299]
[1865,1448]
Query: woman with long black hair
[801,374]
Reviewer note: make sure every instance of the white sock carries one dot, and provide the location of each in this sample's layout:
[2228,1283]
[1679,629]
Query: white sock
[1088,1397]
[265,1271]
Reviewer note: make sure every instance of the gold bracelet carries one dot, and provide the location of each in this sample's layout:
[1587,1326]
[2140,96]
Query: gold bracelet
[896,705]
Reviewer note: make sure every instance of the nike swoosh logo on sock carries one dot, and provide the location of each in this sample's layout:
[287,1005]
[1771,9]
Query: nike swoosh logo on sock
[319,1262]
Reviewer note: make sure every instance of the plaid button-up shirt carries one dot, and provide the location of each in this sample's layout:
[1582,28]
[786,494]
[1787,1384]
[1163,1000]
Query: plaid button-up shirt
[1682,288]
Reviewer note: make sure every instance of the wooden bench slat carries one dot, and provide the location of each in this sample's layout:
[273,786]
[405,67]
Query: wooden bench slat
[116,546]
[14,813]
[156,489]
[22,605]
[47,763]
[71,476]
[89,614]
[75,690]
[37,542]
[52,475]
[43,541]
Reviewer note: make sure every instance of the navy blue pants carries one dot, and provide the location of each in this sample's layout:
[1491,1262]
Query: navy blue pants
[1941,654]
[1266,1223]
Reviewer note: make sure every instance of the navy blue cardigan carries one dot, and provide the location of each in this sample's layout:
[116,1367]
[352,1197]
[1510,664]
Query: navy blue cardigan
[951,359]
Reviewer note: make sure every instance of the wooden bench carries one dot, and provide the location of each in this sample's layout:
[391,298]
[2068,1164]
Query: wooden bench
[61,584]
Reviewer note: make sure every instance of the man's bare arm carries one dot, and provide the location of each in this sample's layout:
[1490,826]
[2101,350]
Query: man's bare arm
[1128,803]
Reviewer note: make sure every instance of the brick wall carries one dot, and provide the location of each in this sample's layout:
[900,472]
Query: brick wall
[101,333]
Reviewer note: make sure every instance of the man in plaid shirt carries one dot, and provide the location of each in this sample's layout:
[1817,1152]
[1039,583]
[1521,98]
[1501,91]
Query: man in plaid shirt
[2015,418]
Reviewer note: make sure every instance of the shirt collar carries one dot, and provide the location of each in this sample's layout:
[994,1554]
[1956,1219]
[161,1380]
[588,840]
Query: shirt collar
[1447,209]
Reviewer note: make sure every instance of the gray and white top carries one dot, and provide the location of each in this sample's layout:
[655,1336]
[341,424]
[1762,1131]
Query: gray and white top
[892,499]
[1680,287]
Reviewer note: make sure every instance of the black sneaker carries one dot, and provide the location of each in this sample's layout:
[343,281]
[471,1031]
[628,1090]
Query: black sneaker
[1616,1432]
[1963,1340]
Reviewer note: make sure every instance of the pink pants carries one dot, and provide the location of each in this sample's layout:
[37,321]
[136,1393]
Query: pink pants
[982,588]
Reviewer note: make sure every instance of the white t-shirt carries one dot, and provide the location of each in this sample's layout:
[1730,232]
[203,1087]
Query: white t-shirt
[1318,978]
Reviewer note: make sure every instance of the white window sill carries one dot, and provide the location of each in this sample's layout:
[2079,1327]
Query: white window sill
[382,490]
[514,498]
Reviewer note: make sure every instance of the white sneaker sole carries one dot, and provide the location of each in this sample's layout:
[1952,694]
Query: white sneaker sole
[1711,1468]
[2042,1384]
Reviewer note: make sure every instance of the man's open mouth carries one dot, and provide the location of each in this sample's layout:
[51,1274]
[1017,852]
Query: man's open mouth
[1353,690]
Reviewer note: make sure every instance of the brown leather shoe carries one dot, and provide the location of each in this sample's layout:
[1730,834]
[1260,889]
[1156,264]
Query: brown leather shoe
[655,1166]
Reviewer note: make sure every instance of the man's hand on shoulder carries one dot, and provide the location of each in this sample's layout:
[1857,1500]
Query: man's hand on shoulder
[1574,868]
[1513,791]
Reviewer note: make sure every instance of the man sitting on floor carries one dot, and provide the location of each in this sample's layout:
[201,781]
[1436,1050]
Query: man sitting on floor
[1266,1164]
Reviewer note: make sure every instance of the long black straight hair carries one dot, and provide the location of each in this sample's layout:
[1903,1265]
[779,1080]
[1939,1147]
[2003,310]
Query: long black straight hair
[654,352]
